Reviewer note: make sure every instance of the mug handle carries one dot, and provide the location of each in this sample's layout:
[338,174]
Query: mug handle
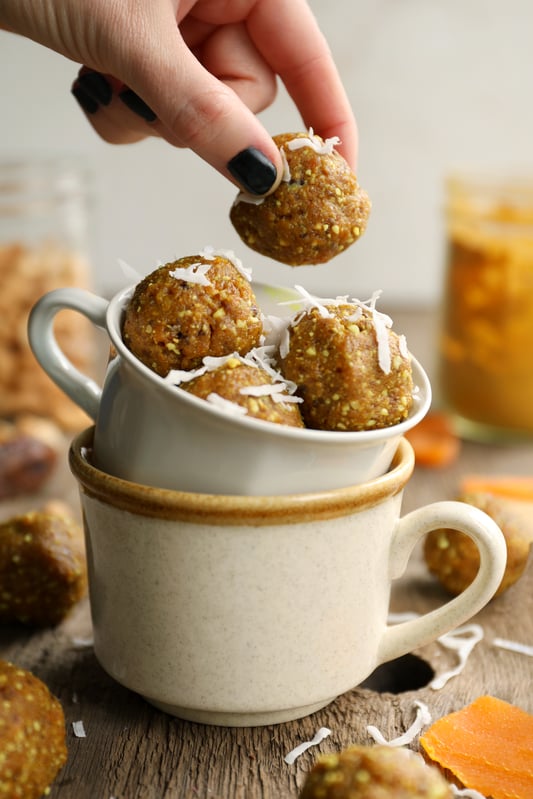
[84,391]
[399,639]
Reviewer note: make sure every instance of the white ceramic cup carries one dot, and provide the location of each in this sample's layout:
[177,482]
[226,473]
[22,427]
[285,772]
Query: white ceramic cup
[244,611]
[151,432]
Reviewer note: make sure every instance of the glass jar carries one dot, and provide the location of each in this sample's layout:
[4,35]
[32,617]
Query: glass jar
[486,344]
[43,246]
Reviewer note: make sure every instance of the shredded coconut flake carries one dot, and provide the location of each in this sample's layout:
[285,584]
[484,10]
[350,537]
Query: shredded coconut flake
[251,199]
[267,389]
[177,376]
[284,344]
[286,175]
[264,358]
[276,333]
[322,733]
[514,646]
[233,408]
[210,253]
[355,316]
[82,643]
[310,301]
[277,391]
[382,336]
[213,362]
[209,364]
[195,273]
[466,792]
[272,329]
[382,322]
[128,271]
[284,398]
[321,147]
[257,358]
[462,640]
[78,729]
[422,719]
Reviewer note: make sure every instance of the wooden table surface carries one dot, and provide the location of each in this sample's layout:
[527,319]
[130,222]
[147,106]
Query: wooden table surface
[133,751]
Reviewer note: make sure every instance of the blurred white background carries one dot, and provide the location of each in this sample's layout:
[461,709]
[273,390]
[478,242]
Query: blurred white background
[435,84]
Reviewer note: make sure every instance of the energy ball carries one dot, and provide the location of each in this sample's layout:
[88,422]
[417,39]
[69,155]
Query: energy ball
[43,569]
[251,388]
[317,211]
[352,372]
[32,734]
[197,306]
[453,558]
[369,772]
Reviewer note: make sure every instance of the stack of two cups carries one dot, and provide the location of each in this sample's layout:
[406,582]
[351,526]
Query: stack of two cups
[240,571]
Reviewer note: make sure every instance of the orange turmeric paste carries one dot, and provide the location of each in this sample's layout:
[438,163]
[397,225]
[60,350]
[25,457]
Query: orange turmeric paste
[486,347]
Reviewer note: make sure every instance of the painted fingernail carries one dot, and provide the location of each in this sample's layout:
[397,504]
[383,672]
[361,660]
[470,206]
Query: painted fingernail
[96,86]
[137,105]
[88,103]
[253,170]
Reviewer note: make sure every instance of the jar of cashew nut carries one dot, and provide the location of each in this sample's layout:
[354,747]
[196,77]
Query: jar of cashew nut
[44,212]
[486,343]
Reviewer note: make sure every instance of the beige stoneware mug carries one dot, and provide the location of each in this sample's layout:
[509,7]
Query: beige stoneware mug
[244,611]
[151,432]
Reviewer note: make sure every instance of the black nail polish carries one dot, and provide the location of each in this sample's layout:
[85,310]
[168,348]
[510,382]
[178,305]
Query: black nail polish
[137,105]
[96,86]
[88,103]
[254,171]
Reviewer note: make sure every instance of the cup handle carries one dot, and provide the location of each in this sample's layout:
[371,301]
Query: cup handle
[398,639]
[84,391]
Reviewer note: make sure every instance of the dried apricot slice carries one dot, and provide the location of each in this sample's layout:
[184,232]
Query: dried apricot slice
[511,486]
[485,746]
[434,441]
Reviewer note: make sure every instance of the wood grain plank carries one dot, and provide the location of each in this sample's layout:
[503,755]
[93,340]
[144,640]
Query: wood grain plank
[133,751]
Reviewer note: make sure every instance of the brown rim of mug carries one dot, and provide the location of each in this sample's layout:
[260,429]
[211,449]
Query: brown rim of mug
[226,509]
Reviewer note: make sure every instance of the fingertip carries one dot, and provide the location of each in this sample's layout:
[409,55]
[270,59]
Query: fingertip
[136,104]
[86,102]
[349,149]
[253,171]
[96,86]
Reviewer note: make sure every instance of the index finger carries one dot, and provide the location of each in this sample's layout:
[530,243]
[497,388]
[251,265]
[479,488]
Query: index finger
[288,37]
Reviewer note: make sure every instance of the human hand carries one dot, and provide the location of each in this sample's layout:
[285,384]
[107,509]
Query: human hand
[195,72]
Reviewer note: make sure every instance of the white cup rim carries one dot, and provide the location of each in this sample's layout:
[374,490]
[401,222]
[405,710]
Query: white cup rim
[235,509]
[421,398]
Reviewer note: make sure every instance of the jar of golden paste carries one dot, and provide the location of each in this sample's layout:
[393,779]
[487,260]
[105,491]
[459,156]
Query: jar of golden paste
[486,344]
[44,223]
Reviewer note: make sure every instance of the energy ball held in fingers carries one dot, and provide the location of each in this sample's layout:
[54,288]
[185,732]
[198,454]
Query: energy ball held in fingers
[317,211]
[197,306]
